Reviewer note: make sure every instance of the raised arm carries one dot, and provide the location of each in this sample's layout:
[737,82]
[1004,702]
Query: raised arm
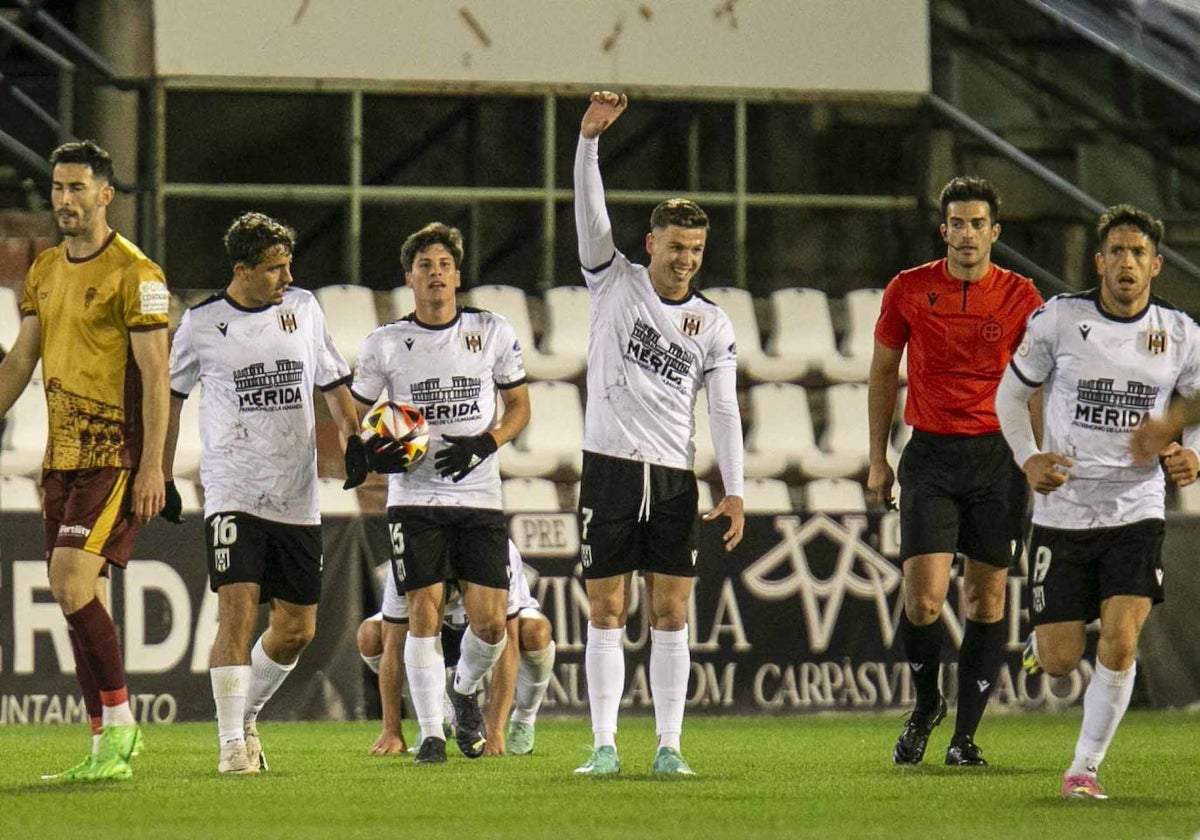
[592,225]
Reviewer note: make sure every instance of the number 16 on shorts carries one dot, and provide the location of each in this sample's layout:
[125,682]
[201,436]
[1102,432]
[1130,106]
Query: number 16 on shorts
[224,534]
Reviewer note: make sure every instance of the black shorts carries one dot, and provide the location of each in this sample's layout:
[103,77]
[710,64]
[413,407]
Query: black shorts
[284,560]
[636,516]
[1071,573]
[961,494]
[432,544]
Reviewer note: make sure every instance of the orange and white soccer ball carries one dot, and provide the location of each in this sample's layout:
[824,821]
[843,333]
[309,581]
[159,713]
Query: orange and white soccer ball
[399,422]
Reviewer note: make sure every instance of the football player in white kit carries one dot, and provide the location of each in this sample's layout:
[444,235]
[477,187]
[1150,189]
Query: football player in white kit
[1108,359]
[258,350]
[655,343]
[445,515]
[527,663]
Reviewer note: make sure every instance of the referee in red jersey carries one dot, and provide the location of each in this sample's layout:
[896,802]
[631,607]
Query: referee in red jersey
[961,318]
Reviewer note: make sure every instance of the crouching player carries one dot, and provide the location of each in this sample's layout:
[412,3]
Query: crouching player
[523,671]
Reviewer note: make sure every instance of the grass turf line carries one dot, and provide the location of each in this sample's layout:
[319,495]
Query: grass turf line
[818,777]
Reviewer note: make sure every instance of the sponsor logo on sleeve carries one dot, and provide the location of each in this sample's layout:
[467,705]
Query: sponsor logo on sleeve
[155,299]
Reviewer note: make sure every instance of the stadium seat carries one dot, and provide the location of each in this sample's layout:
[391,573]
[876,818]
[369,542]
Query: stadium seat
[552,443]
[705,501]
[767,495]
[1189,497]
[781,429]
[834,495]
[568,322]
[350,312]
[739,306]
[25,434]
[853,364]
[187,447]
[510,302]
[10,317]
[402,302]
[802,338]
[844,444]
[189,495]
[530,495]
[19,493]
[334,500]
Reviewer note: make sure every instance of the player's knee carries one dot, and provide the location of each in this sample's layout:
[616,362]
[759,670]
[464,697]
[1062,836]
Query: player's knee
[1058,662]
[370,638]
[922,609]
[985,607]
[535,634]
[293,639]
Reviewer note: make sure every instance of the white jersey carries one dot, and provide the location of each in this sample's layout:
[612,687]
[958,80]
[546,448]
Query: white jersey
[395,604]
[1102,376]
[257,369]
[453,373]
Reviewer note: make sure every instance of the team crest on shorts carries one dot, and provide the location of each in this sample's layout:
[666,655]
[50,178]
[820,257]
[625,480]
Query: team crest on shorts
[692,323]
[1156,341]
[473,341]
[287,320]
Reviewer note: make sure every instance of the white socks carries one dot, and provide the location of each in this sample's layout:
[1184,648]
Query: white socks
[118,715]
[604,663]
[670,666]
[476,659]
[533,679]
[1104,704]
[230,685]
[425,668]
[268,675]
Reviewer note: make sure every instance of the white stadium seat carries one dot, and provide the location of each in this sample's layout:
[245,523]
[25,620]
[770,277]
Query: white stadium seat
[845,444]
[802,338]
[19,493]
[834,495]
[25,433]
[334,500]
[705,501]
[350,313]
[10,317]
[739,306]
[189,494]
[552,443]
[187,448]
[510,302]
[767,495]
[568,323]
[529,495]
[781,429]
[853,364]
[402,302]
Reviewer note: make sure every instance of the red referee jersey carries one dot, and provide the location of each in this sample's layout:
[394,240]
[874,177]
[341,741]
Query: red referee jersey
[960,336]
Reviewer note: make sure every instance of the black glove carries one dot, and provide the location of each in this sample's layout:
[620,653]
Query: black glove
[173,510]
[356,462]
[465,453]
[385,456]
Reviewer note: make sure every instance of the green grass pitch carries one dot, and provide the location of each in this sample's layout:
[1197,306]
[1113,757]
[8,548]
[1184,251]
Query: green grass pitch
[795,777]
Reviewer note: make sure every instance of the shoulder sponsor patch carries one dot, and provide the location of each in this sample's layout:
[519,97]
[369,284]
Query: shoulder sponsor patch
[155,299]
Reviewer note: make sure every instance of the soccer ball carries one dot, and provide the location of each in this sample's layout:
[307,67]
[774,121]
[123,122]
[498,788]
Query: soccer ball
[399,422]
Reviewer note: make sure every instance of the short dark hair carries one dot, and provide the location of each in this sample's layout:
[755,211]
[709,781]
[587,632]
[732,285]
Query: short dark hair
[434,233]
[252,235]
[1127,214]
[971,188]
[681,212]
[87,152]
